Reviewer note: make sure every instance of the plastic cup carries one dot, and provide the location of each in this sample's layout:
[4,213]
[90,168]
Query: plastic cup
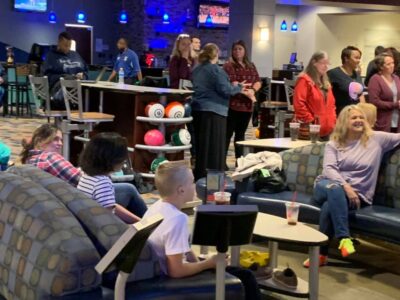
[314,132]
[292,212]
[222,198]
[294,130]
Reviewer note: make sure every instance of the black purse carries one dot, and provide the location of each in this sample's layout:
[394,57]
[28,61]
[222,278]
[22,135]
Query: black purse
[269,181]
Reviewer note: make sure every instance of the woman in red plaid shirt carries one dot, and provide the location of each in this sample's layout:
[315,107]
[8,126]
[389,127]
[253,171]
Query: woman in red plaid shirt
[240,69]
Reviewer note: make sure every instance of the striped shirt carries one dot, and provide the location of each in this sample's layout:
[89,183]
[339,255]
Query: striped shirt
[99,188]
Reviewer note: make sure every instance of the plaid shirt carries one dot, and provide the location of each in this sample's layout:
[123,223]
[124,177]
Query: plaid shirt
[56,165]
[238,73]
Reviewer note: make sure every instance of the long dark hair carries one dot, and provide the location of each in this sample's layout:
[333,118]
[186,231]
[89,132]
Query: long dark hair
[103,152]
[41,136]
[246,60]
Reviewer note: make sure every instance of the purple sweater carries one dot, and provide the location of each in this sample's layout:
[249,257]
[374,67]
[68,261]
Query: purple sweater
[356,164]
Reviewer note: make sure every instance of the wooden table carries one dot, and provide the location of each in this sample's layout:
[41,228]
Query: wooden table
[126,103]
[275,145]
[276,230]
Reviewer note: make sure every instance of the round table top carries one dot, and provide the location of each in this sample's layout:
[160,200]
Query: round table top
[277,229]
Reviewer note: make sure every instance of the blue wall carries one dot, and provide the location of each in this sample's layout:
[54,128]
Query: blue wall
[21,29]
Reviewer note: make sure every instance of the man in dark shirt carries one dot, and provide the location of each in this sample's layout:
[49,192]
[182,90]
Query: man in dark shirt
[372,68]
[341,77]
[63,62]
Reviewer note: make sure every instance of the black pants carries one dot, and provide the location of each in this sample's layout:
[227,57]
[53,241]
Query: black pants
[209,134]
[248,280]
[237,123]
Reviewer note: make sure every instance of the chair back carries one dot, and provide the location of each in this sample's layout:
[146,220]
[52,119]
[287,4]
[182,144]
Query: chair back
[72,92]
[185,84]
[152,81]
[41,92]
[289,91]
[265,93]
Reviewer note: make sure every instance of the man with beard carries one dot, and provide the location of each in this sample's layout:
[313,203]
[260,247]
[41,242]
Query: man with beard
[128,60]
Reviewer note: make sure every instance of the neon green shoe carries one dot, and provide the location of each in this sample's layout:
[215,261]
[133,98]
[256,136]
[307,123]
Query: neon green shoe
[346,247]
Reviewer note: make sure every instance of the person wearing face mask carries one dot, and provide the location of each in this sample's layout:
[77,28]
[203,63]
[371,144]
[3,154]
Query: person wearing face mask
[128,60]
[313,99]
[182,61]
[352,159]
[62,62]
[341,77]
[384,93]
[240,69]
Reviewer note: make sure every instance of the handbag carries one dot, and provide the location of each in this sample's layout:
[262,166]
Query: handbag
[269,181]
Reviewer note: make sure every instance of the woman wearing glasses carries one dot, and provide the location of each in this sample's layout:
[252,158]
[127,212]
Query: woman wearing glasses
[313,99]
[182,61]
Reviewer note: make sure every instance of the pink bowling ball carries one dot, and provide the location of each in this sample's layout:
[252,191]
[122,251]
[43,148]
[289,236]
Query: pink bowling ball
[154,137]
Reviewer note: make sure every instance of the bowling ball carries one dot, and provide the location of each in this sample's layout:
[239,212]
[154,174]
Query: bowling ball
[156,163]
[188,110]
[175,110]
[154,137]
[180,137]
[154,110]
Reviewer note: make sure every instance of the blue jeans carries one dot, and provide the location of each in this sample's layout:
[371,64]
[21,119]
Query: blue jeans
[1,95]
[128,196]
[334,215]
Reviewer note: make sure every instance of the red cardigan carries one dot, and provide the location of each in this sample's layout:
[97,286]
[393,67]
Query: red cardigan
[179,68]
[309,102]
[381,96]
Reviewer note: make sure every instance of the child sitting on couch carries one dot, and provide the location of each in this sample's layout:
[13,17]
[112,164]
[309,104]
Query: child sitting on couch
[175,183]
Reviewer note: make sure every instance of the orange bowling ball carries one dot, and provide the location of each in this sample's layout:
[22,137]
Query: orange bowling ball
[175,110]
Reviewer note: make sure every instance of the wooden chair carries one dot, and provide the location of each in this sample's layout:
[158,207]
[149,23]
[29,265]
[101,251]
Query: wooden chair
[41,94]
[72,92]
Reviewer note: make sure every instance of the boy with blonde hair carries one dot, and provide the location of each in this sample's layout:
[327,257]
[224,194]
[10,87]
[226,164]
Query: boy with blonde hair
[175,183]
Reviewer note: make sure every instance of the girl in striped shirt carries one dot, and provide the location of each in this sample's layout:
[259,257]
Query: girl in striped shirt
[103,155]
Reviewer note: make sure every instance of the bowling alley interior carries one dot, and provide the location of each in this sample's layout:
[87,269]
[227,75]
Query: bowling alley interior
[199,149]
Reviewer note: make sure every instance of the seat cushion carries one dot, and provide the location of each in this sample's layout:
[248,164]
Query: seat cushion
[43,248]
[200,286]
[201,188]
[275,204]
[378,221]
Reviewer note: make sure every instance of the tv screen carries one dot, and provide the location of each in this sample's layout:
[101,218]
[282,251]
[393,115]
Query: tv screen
[31,5]
[213,15]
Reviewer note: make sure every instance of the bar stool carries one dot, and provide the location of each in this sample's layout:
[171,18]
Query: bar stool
[283,116]
[72,92]
[41,94]
[18,88]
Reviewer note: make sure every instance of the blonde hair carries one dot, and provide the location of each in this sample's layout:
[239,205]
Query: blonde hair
[340,132]
[170,175]
[370,112]
[322,81]
[208,53]
[175,50]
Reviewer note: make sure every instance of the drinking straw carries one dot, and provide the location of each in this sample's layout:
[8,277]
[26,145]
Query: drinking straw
[294,198]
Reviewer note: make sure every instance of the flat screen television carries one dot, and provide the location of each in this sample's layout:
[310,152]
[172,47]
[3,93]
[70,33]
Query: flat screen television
[31,5]
[213,15]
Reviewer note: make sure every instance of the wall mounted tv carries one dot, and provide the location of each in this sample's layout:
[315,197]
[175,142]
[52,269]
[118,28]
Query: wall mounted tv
[30,5]
[213,15]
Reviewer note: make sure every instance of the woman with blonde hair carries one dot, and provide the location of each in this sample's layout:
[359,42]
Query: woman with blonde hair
[182,60]
[313,99]
[350,170]
[210,103]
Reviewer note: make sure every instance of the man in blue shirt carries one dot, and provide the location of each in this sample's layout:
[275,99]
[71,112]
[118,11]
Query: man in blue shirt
[128,60]
[1,82]
[63,62]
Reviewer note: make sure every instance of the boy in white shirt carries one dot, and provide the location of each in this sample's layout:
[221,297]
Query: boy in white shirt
[175,183]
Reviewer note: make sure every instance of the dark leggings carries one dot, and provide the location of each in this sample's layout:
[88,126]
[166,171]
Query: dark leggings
[237,124]
[249,282]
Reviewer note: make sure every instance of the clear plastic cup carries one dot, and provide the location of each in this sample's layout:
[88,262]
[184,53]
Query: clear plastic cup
[222,198]
[292,212]
[294,130]
[314,132]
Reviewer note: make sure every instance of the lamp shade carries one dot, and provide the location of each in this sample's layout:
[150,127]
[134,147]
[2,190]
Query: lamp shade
[123,17]
[81,17]
[283,26]
[52,17]
[294,27]
[165,18]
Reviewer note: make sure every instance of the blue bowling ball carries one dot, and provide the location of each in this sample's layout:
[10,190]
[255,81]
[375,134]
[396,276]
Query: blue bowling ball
[188,110]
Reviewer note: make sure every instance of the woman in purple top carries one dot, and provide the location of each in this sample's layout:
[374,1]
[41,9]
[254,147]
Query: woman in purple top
[351,164]
[384,93]
[182,60]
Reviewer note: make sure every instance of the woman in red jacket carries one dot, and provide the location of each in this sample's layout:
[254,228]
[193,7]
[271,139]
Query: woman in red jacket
[313,99]
[384,93]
